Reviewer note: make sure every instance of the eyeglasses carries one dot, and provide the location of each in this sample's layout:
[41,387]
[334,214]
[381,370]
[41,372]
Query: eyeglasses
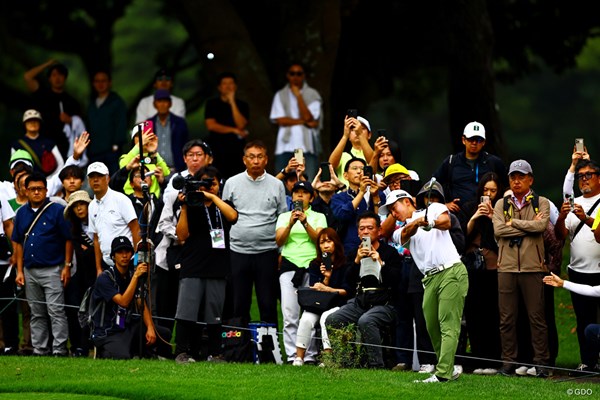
[585,176]
[355,168]
[253,157]
[137,176]
[295,73]
[192,155]
[475,139]
[36,189]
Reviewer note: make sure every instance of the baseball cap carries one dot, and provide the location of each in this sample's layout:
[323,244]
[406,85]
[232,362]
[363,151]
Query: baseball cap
[393,197]
[20,156]
[364,121]
[474,129]
[79,195]
[31,114]
[98,168]
[435,187]
[120,243]
[164,74]
[162,94]
[303,185]
[521,166]
[393,170]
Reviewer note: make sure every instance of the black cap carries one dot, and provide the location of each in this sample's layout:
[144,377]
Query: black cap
[303,185]
[120,243]
[164,72]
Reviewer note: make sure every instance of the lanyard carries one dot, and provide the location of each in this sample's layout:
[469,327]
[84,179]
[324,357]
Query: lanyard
[217,218]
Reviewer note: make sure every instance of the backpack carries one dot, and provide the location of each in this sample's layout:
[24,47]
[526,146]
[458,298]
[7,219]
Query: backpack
[88,307]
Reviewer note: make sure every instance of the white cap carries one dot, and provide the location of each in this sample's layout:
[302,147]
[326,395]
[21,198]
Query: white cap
[98,168]
[393,197]
[474,129]
[31,114]
[364,121]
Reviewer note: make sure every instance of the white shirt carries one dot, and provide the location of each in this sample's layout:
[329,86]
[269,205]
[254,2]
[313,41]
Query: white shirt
[296,135]
[109,218]
[146,110]
[584,290]
[433,248]
[585,252]
[6,213]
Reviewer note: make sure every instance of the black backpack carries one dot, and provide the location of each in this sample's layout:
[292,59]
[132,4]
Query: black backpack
[88,307]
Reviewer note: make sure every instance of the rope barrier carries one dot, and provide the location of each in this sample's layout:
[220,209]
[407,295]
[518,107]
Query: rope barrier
[241,328]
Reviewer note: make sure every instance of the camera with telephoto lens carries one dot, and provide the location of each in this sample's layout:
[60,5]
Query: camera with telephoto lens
[189,187]
[516,241]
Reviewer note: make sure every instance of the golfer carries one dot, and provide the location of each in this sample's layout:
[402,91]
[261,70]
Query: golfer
[425,233]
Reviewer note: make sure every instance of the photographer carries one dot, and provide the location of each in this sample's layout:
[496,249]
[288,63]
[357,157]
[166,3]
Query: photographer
[296,234]
[203,227]
[116,330]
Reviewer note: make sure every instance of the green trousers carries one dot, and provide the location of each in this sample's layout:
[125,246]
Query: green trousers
[443,304]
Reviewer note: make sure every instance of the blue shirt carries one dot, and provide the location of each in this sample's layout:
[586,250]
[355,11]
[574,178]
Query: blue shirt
[45,246]
[343,210]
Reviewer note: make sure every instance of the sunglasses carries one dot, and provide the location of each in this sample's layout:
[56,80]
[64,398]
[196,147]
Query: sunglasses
[475,139]
[295,73]
[585,176]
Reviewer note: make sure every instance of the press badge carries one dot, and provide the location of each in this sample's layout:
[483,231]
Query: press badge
[217,237]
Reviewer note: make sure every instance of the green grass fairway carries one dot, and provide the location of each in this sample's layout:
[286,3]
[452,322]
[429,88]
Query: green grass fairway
[50,378]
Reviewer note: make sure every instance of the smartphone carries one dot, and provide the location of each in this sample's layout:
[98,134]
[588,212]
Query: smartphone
[366,242]
[299,156]
[297,205]
[146,126]
[327,261]
[381,132]
[485,199]
[571,201]
[368,171]
[325,174]
[579,144]
[352,112]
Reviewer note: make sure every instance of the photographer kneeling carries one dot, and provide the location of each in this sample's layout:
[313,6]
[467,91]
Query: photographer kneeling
[203,226]
[116,329]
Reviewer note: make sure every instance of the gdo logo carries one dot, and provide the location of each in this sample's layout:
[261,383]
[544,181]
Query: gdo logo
[232,334]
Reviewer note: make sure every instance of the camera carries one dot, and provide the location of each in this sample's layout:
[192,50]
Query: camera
[189,187]
[515,241]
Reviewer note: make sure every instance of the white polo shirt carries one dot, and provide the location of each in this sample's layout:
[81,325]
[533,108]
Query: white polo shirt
[109,217]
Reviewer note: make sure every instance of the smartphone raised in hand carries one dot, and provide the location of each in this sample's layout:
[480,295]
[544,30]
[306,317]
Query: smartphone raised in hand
[297,205]
[352,112]
[366,242]
[327,261]
[368,171]
[299,156]
[325,173]
[579,145]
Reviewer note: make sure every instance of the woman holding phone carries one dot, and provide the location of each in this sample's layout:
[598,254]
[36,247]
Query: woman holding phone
[326,274]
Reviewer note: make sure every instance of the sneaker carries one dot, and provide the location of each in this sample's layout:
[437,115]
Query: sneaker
[478,371]
[218,359]
[457,371]
[431,379]
[581,370]
[489,371]
[426,368]
[184,358]
[79,352]
[522,371]
[538,372]
[400,367]
[298,362]
[10,351]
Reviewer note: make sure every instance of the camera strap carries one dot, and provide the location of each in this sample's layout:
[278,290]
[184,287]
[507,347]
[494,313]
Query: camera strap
[583,222]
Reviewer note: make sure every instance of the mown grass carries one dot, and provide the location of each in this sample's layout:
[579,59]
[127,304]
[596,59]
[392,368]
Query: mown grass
[27,377]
